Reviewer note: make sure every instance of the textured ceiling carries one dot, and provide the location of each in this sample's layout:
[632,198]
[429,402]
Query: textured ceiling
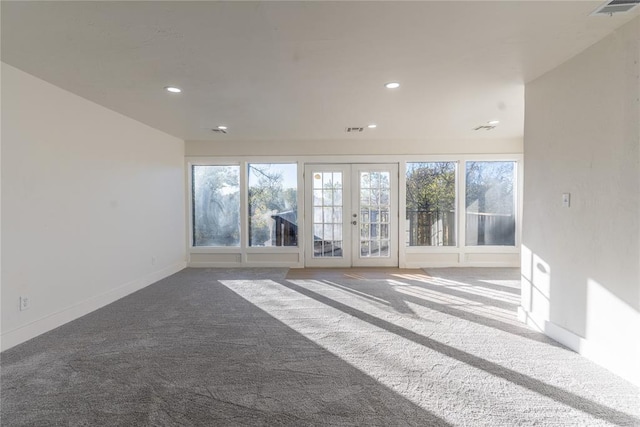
[303,70]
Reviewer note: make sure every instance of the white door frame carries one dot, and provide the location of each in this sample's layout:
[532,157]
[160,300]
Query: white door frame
[390,222]
[346,204]
[335,215]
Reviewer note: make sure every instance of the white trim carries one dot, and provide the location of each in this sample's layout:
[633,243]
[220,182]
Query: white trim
[244,215]
[303,161]
[577,343]
[431,249]
[346,259]
[302,216]
[249,264]
[461,208]
[45,324]
[461,260]
[420,265]
[215,250]
[394,237]
[402,208]
[491,249]
[272,250]
[364,158]
[550,329]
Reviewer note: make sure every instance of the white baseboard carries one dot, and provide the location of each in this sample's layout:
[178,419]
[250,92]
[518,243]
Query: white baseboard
[550,329]
[459,264]
[40,326]
[580,345]
[243,265]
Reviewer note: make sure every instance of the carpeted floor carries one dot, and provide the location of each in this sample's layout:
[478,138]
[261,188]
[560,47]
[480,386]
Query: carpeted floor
[260,347]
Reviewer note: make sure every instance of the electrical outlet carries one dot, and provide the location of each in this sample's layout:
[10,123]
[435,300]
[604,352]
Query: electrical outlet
[25,303]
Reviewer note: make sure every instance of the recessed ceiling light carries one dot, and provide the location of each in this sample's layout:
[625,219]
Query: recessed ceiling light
[372,126]
[222,127]
[493,122]
[392,85]
[173,89]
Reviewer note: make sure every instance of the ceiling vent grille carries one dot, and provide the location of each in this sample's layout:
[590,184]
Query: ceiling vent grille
[615,6]
[354,130]
[487,127]
[218,131]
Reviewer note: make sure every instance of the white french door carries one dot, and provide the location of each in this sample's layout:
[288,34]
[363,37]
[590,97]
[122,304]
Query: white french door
[351,215]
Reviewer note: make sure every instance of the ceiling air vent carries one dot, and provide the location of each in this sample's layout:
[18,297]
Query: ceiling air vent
[218,131]
[487,127]
[615,6]
[353,130]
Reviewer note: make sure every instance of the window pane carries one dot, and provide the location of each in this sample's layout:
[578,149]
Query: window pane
[490,204]
[273,204]
[327,215]
[216,205]
[431,200]
[374,207]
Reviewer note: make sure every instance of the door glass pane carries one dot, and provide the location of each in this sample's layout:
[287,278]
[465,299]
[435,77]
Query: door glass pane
[365,197]
[375,187]
[337,215]
[364,214]
[216,205]
[384,215]
[384,197]
[385,249]
[337,232]
[364,248]
[364,233]
[337,197]
[431,200]
[327,197]
[336,248]
[490,203]
[384,231]
[273,207]
[327,214]
[337,180]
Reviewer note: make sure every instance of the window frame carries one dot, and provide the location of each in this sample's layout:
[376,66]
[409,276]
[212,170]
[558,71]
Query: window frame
[408,256]
[243,249]
[516,210]
[456,233]
[298,197]
[460,254]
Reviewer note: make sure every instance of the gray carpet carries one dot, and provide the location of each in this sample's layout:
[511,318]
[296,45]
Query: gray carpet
[249,347]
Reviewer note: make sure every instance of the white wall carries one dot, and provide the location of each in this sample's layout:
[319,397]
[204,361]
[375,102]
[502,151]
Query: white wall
[581,265]
[92,209]
[352,146]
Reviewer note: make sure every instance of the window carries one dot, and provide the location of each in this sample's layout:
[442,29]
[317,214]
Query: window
[490,203]
[216,205]
[273,204]
[431,201]
[328,206]
[375,208]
